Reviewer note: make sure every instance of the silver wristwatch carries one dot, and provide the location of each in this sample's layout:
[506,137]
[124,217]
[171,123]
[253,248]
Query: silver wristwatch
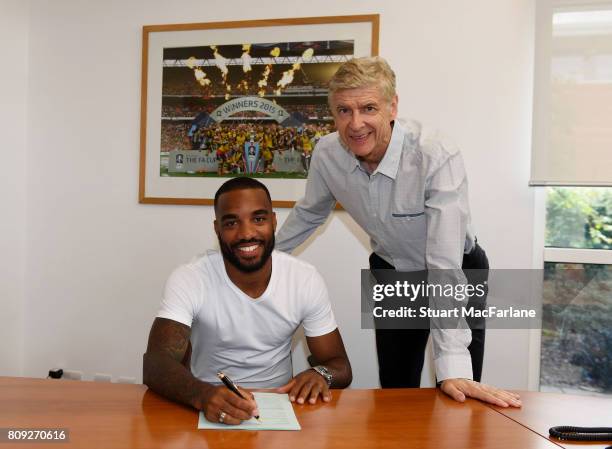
[323,371]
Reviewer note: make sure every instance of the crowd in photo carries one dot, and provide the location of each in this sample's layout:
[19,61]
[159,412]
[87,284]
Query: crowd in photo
[227,141]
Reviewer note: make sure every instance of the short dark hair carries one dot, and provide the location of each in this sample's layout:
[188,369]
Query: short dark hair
[240,183]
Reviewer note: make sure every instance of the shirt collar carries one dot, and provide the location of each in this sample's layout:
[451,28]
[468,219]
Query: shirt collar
[390,161]
[389,164]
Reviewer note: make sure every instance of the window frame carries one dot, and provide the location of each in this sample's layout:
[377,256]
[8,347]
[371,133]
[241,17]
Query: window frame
[543,254]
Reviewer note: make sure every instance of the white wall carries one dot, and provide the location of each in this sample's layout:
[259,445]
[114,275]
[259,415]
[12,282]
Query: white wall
[97,260]
[13,131]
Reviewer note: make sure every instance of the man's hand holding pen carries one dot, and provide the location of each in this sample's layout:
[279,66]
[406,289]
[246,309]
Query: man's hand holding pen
[307,387]
[224,406]
[229,405]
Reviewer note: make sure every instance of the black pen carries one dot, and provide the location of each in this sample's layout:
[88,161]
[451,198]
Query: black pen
[229,383]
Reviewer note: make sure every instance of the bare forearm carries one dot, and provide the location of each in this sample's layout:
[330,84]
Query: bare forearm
[341,372]
[171,379]
[340,368]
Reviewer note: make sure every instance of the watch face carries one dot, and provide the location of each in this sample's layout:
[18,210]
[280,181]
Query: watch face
[323,371]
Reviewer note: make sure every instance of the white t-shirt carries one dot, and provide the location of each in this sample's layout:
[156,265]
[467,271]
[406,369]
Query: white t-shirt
[248,339]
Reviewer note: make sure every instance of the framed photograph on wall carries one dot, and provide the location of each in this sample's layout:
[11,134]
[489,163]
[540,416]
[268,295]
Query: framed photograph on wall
[227,99]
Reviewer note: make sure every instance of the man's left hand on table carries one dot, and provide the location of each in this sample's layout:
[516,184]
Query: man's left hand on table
[307,387]
[459,389]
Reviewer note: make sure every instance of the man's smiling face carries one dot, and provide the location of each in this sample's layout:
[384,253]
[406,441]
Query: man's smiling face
[363,118]
[245,228]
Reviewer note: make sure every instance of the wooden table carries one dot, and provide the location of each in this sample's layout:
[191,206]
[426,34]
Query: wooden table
[541,411]
[104,415]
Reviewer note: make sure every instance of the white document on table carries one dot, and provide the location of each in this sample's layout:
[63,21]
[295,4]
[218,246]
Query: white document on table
[275,413]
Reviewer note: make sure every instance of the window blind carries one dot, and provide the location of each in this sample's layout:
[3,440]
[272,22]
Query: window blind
[572,128]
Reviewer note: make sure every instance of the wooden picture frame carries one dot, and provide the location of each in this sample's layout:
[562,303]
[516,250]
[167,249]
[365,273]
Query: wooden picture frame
[201,108]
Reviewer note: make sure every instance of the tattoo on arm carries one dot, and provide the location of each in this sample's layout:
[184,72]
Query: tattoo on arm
[169,337]
[163,370]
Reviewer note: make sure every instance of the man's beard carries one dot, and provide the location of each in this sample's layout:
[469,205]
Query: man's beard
[228,254]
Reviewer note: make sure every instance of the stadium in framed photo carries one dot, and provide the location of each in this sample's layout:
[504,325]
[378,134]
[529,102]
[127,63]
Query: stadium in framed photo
[243,98]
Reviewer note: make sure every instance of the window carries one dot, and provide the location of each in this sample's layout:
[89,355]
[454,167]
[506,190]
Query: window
[579,218]
[576,341]
[572,146]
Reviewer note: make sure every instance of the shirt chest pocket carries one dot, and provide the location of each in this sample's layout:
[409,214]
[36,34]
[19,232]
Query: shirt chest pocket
[408,225]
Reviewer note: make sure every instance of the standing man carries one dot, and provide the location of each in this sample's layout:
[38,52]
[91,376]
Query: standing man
[408,191]
[239,309]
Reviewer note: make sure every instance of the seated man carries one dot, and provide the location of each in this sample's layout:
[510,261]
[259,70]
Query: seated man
[240,315]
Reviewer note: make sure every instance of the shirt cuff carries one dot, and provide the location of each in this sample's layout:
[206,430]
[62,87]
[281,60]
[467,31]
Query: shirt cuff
[453,367]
